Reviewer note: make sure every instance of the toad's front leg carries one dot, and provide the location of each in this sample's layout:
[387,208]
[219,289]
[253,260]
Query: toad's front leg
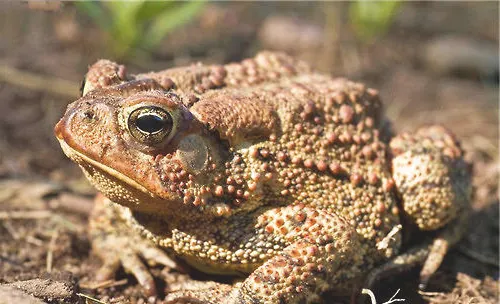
[323,252]
[117,245]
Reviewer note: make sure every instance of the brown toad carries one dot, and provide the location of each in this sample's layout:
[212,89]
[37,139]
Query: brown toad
[264,169]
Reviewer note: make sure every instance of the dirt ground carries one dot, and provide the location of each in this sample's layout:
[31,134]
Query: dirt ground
[418,65]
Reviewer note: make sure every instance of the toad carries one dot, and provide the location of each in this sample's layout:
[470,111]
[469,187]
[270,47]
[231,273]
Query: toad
[262,169]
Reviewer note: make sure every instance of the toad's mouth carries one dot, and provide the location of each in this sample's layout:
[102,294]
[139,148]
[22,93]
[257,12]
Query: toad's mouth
[90,166]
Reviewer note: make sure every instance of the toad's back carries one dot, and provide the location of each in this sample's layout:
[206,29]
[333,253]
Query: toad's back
[322,141]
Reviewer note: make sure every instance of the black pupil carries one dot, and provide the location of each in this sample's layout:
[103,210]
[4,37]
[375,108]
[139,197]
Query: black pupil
[150,123]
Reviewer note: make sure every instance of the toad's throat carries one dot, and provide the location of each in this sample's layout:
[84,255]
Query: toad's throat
[84,161]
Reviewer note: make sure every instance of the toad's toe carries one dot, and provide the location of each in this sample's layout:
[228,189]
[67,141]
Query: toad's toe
[133,264]
[129,252]
[154,255]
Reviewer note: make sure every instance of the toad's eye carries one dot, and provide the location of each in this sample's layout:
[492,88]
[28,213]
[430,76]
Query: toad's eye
[150,125]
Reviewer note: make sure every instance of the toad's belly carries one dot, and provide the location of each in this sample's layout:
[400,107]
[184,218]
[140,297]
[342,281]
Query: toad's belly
[207,266]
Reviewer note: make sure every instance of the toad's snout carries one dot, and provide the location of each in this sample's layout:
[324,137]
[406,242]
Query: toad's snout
[89,128]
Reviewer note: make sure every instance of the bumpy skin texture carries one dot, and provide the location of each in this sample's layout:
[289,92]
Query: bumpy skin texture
[264,169]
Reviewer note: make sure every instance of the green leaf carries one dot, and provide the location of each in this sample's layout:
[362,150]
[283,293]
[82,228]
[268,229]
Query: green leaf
[371,18]
[123,14]
[124,9]
[130,24]
[125,30]
[170,19]
[151,9]
[94,11]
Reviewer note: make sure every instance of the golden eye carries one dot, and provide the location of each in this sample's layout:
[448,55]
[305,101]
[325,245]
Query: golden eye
[150,124]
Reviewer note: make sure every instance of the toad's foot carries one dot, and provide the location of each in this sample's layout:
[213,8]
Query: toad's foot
[430,254]
[118,245]
[447,237]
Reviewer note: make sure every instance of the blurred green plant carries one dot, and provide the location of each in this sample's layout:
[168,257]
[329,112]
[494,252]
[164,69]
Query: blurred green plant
[372,18]
[136,27]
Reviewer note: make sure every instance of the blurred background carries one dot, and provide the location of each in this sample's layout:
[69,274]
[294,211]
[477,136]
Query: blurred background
[433,62]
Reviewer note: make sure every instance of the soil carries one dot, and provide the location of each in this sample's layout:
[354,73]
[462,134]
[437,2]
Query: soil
[44,200]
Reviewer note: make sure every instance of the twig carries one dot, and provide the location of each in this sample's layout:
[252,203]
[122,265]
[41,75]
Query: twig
[374,300]
[370,294]
[8,226]
[90,298]
[38,82]
[33,240]
[384,243]
[105,284]
[429,293]
[10,215]
[50,252]
[61,220]
[392,300]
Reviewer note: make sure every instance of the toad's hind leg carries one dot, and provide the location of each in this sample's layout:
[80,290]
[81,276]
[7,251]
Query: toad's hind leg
[117,245]
[435,186]
[429,253]
[323,253]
